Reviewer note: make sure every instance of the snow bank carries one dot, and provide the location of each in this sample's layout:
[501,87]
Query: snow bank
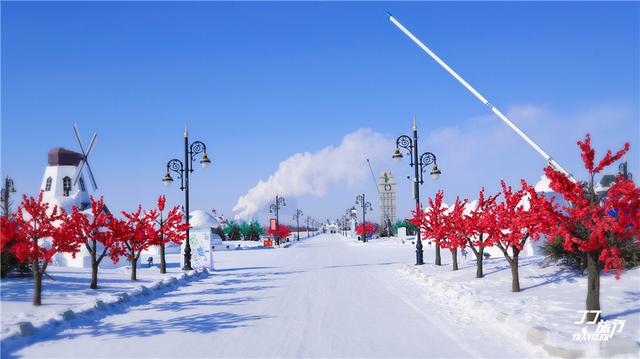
[103,304]
[544,313]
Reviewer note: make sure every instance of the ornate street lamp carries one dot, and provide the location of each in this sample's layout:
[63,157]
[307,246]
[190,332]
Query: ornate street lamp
[7,190]
[297,216]
[420,164]
[366,206]
[182,170]
[275,208]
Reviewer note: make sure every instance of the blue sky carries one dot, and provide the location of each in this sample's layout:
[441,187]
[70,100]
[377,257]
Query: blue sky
[259,82]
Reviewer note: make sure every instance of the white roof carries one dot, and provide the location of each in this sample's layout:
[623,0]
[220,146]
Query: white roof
[202,219]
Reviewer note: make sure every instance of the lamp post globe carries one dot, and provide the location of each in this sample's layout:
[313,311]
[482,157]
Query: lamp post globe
[397,156]
[205,162]
[167,180]
[435,172]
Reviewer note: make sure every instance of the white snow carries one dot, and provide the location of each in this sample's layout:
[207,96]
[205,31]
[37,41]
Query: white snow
[329,297]
[202,219]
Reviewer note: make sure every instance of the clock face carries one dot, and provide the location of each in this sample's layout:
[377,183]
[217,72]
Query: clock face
[387,187]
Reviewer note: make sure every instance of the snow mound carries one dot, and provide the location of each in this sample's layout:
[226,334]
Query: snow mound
[202,219]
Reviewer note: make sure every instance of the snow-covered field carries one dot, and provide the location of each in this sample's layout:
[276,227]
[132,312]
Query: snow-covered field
[324,297]
[549,299]
[68,289]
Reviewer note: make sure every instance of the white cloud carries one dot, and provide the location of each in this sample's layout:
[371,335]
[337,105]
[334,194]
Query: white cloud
[314,174]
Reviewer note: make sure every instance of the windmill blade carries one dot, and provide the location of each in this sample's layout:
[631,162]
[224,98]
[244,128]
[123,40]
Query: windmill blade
[93,141]
[78,173]
[93,180]
[75,131]
[76,176]
[85,160]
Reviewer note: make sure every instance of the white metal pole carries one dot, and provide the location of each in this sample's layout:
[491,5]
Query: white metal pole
[498,113]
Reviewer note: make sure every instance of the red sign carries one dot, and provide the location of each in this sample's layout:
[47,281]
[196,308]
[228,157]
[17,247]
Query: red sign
[267,243]
[272,224]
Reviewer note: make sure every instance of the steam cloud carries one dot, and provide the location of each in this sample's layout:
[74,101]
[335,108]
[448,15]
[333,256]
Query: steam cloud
[313,173]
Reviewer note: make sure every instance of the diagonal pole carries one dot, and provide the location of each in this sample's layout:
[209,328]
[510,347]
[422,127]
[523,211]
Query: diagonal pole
[482,99]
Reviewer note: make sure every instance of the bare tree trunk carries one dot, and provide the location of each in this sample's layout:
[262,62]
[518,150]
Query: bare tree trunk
[134,265]
[593,285]
[94,266]
[454,258]
[438,258]
[163,261]
[134,268]
[94,274]
[515,278]
[37,281]
[479,253]
[479,260]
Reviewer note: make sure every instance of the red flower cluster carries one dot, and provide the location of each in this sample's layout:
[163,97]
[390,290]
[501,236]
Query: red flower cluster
[592,225]
[366,227]
[282,231]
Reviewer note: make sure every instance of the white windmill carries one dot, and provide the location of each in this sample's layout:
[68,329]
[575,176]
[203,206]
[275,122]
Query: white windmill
[64,183]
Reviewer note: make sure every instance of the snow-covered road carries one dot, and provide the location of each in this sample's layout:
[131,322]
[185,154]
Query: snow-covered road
[324,297]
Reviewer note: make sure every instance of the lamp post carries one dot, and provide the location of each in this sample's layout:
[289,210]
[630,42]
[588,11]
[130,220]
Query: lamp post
[7,189]
[419,164]
[275,208]
[297,216]
[182,169]
[361,200]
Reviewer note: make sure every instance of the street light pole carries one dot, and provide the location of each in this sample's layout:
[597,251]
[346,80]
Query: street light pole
[361,200]
[182,169]
[419,164]
[275,208]
[296,216]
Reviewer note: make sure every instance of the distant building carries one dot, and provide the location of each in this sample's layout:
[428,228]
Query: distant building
[387,187]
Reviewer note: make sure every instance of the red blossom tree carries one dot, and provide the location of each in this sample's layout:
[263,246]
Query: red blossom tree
[596,226]
[170,229]
[477,226]
[38,233]
[453,236]
[8,233]
[365,228]
[92,230]
[135,234]
[522,215]
[432,222]
[282,231]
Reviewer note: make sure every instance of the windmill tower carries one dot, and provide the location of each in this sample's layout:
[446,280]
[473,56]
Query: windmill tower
[64,183]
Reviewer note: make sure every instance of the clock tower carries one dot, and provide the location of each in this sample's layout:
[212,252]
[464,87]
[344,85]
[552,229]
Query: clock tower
[387,189]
